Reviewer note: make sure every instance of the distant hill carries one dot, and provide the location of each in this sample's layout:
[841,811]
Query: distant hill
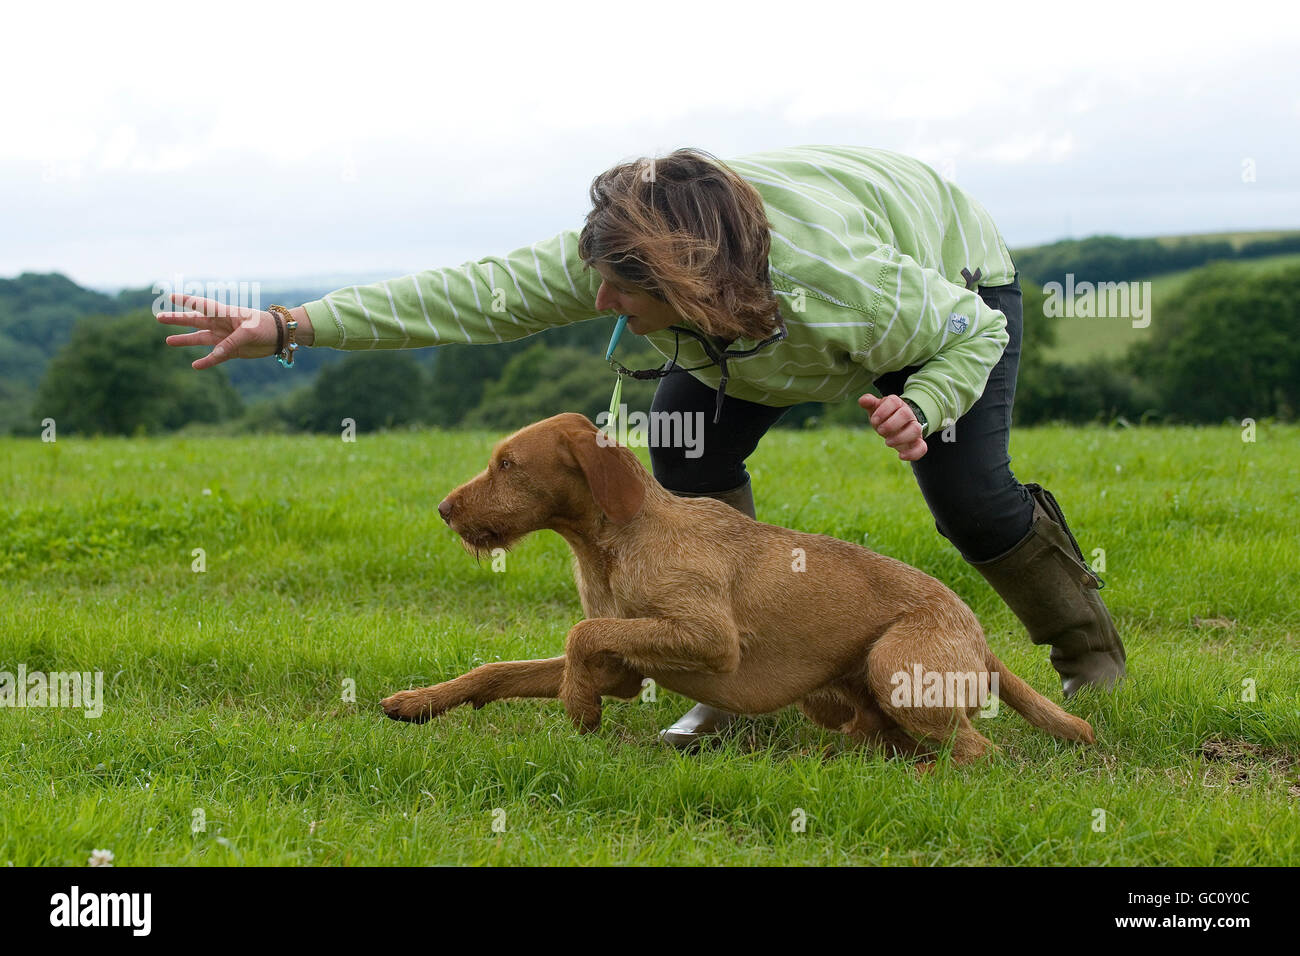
[39,310]
[1116,259]
[1165,261]
[37,313]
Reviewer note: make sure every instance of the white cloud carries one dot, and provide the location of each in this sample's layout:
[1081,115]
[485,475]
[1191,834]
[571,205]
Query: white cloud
[277,137]
[1032,147]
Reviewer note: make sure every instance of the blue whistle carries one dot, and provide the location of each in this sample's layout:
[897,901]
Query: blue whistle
[618,334]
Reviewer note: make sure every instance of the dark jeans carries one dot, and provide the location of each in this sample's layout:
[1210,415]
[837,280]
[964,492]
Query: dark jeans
[967,483]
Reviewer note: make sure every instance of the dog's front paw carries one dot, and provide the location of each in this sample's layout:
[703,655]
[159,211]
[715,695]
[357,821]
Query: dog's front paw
[418,705]
[585,718]
[582,705]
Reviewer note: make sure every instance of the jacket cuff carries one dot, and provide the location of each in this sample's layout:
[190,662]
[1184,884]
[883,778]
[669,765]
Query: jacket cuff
[326,327]
[928,406]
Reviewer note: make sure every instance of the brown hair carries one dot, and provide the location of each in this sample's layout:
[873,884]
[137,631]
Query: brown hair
[692,233]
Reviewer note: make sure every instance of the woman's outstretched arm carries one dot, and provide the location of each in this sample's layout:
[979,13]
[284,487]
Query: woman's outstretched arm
[496,299]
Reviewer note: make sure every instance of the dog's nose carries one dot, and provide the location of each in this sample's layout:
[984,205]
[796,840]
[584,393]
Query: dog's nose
[444,509]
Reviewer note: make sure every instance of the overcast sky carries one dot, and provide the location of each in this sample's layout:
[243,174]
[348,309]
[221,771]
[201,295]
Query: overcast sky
[265,142]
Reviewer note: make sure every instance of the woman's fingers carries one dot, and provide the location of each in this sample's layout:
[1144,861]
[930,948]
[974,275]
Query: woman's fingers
[904,436]
[881,409]
[227,348]
[897,425]
[895,422]
[199,312]
[196,319]
[914,452]
[208,307]
[231,330]
[198,307]
[202,337]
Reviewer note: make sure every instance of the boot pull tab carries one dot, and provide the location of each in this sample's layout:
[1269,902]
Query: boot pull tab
[1048,501]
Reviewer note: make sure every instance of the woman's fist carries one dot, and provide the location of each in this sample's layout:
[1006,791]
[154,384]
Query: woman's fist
[894,421]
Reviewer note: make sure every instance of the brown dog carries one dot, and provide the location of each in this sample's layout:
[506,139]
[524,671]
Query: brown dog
[707,602]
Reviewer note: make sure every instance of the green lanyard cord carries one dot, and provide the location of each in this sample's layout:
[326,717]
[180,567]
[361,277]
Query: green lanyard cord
[619,327]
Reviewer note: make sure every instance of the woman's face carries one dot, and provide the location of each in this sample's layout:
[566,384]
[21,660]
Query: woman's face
[644,312]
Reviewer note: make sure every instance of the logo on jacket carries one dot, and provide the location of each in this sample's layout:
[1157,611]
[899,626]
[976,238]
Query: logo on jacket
[958,323]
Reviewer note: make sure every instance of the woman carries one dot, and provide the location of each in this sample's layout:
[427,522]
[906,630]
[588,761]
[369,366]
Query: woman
[820,271]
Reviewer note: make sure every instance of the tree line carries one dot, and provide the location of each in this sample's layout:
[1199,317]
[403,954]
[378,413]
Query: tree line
[1114,259]
[1225,346]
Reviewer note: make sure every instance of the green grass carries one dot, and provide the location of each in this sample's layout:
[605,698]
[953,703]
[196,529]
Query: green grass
[327,562]
[1080,339]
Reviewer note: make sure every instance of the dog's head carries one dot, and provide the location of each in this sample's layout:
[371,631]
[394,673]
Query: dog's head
[551,473]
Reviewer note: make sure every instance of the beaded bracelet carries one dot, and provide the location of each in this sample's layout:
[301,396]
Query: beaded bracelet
[290,323]
[279,334]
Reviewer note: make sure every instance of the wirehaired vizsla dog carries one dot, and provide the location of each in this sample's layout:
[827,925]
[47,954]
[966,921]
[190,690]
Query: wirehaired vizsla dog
[745,616]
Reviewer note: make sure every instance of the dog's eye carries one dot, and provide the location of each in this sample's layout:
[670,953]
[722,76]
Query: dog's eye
[504,463]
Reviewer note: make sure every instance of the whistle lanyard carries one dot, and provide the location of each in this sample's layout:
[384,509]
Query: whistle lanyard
[716,356]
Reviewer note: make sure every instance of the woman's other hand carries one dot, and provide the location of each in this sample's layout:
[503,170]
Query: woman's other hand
[895,422]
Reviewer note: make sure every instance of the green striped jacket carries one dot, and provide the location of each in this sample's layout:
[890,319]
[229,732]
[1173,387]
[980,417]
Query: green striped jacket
[868,248]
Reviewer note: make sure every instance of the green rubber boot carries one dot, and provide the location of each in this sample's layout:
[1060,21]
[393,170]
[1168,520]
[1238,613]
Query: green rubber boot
[1049,586]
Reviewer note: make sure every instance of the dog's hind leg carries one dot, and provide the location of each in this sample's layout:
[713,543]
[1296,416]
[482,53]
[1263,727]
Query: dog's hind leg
[828,709]
[854,712]
[873,727]
[909,648]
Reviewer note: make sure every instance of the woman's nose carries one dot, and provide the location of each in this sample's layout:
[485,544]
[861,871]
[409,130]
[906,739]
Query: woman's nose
[605,298]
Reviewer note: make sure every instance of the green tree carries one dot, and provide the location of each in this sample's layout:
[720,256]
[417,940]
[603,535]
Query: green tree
[461,373]
[1227,346]
[545,380]
[1049,390]
[378,389]
[118,376]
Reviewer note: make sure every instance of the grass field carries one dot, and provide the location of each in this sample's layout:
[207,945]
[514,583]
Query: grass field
[1079,339]
[226,738]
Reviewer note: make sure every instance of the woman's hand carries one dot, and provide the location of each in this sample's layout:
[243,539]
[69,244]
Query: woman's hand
[232,331]
[895,422]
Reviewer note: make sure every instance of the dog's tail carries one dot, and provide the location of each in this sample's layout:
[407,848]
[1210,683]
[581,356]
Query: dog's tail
[1036,708]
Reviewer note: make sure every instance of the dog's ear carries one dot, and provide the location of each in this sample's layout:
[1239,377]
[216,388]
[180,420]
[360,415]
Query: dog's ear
[612,473]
